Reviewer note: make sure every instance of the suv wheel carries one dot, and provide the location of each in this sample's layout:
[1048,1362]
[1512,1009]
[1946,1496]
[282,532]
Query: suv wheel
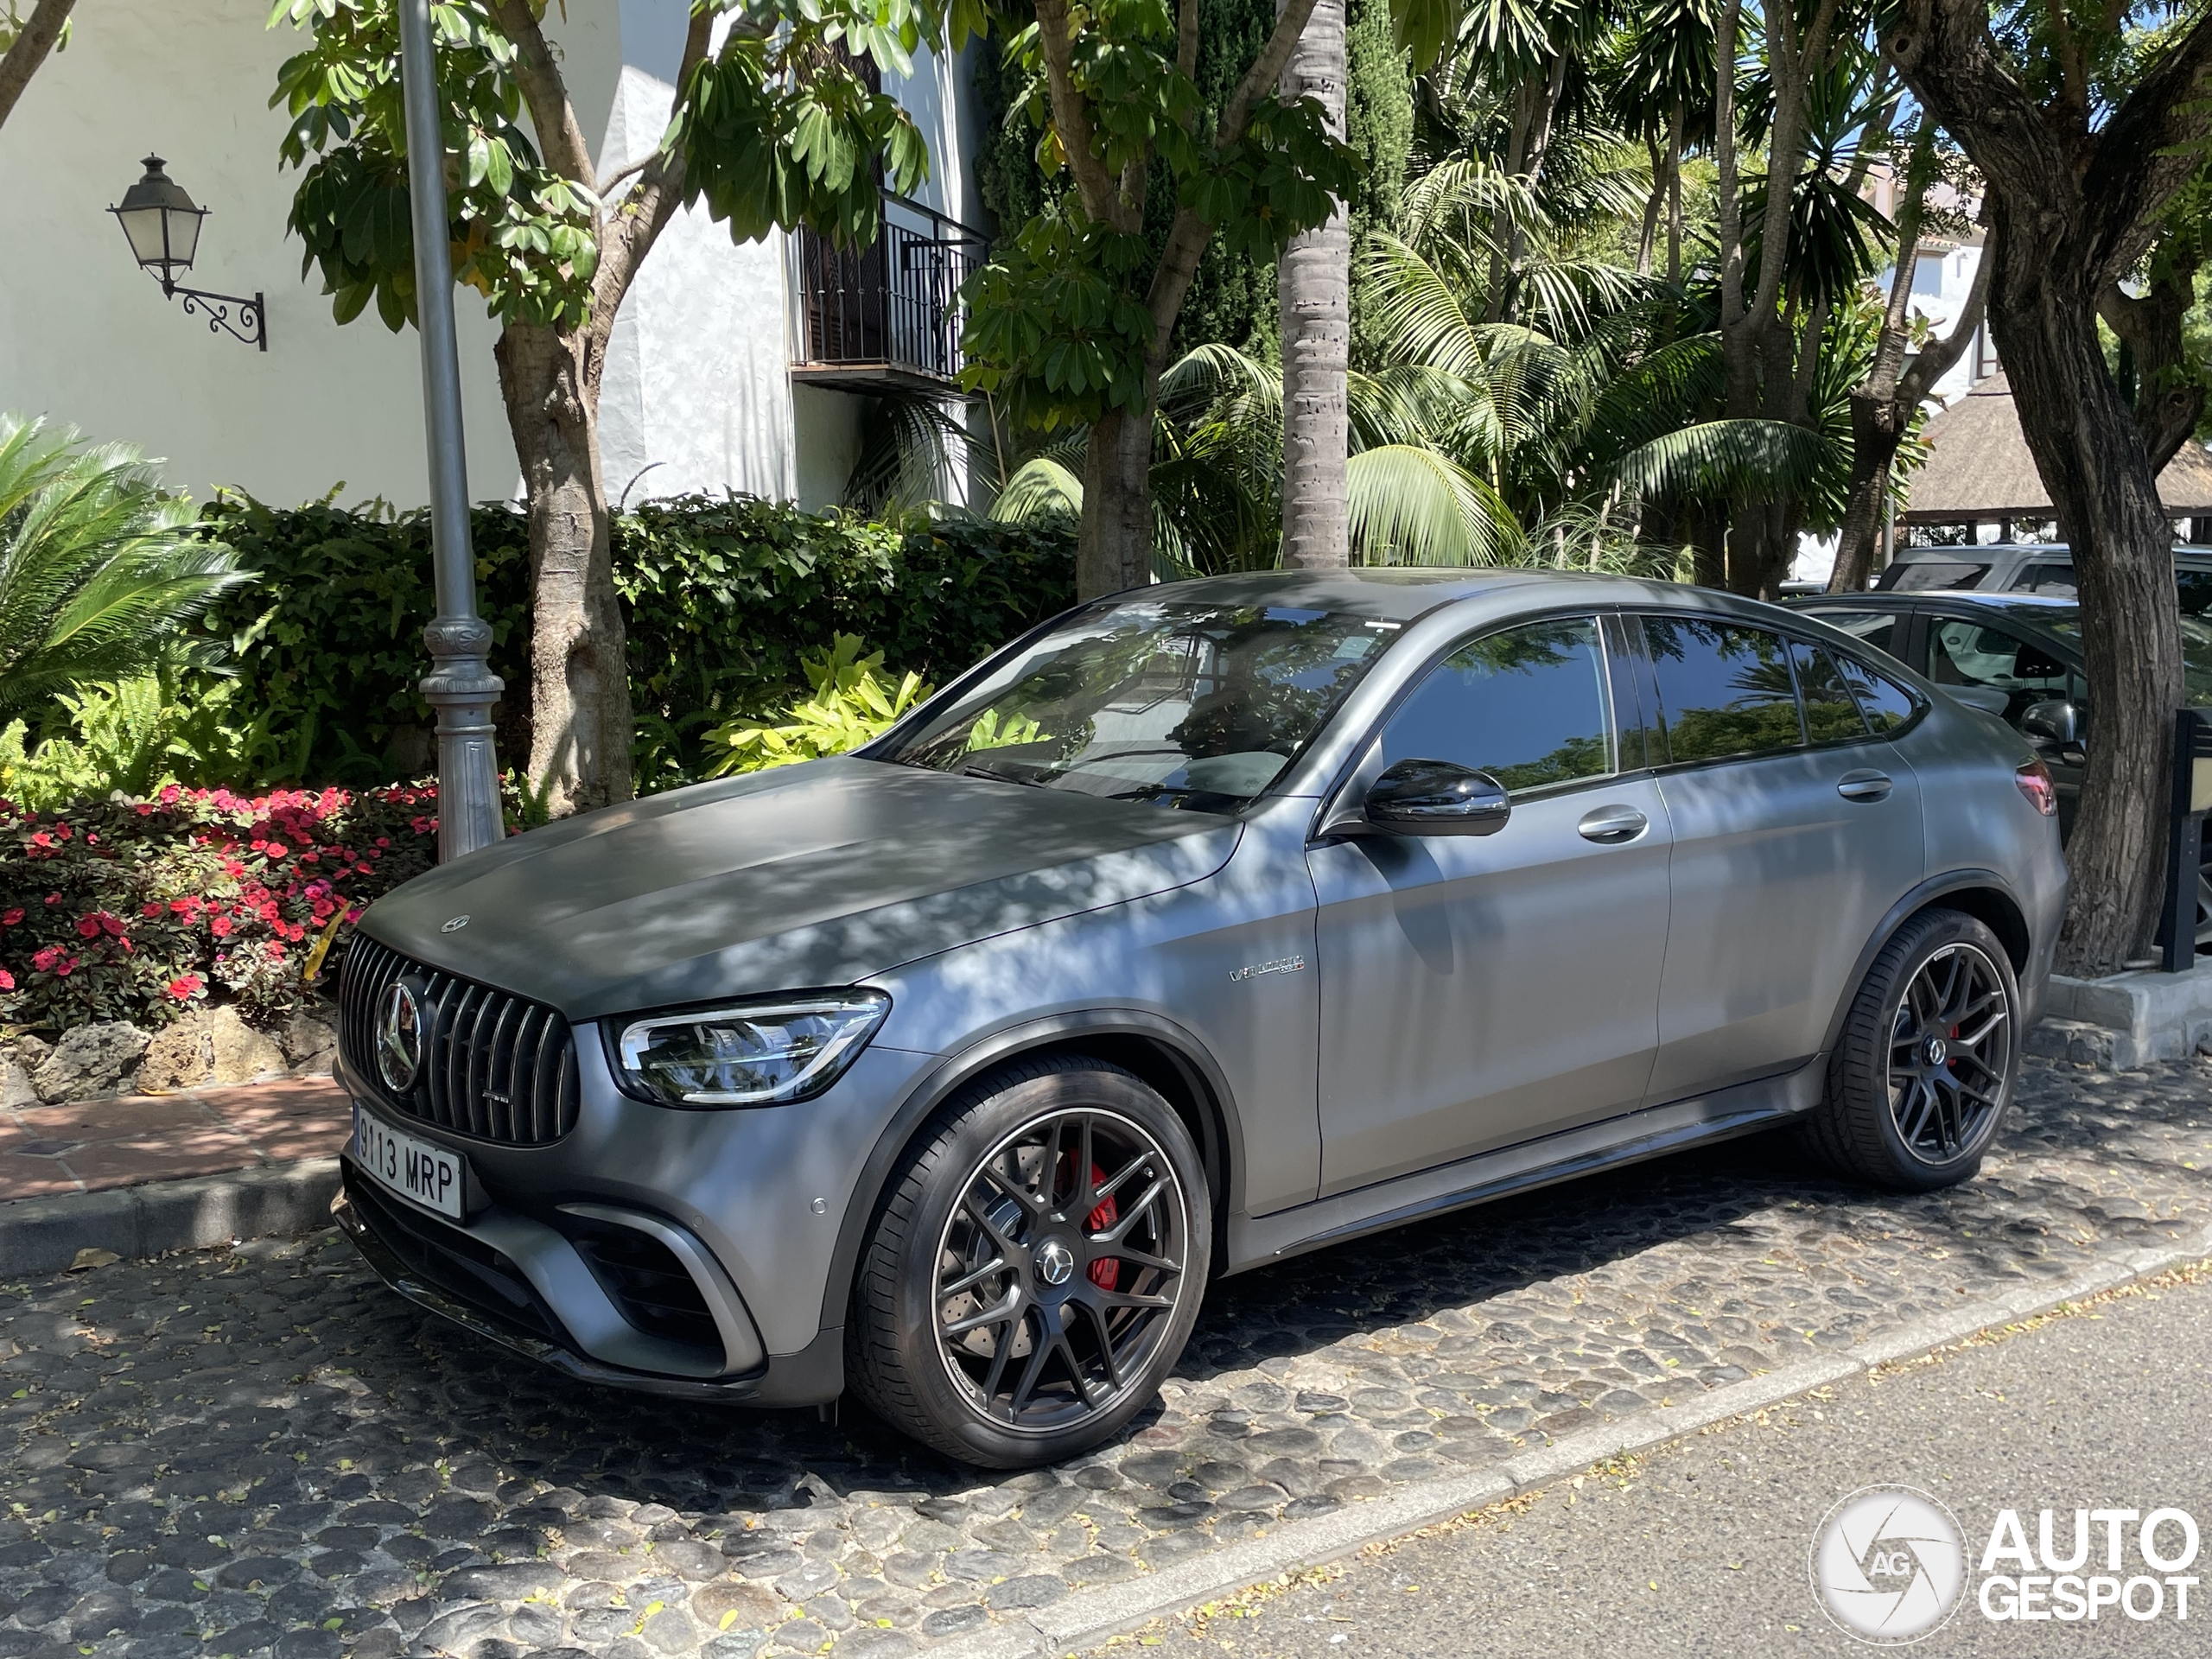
[1923,1073]
[1036,1268]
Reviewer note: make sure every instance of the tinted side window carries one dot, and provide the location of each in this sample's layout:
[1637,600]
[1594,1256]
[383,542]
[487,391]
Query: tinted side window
[1527,705]
[1888,707]
[1723,691]
[1831,712]
[2195,591]
[2052,581]
[1967,653]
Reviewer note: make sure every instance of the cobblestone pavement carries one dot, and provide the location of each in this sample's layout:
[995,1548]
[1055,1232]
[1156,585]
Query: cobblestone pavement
[228,1454]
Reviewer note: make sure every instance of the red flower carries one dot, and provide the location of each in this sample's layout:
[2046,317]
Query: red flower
[10,917]
[152,907]
[52,898]
[89,926]
[53,960]
[7,979]
[220,927]
[184,988]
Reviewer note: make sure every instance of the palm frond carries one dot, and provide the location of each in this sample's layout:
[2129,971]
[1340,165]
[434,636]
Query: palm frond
[1753,459]
[1409,505]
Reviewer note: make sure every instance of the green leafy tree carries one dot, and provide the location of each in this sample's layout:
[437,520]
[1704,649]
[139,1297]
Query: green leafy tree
[773,128]
[1073,320]
[98,568]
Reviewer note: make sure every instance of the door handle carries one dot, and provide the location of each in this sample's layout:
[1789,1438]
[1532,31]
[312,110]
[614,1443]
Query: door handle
[1611,824]
[1864,786]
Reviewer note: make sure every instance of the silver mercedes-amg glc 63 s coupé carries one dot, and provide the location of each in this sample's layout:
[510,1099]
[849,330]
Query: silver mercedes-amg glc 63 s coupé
[1206,924]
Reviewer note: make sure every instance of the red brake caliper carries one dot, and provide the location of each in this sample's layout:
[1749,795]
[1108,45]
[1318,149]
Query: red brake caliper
[1106,1273]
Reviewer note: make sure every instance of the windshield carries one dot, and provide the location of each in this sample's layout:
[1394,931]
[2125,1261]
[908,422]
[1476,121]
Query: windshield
[2196,646]
[1154,699]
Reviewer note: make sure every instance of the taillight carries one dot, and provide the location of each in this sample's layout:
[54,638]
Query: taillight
[2035,781]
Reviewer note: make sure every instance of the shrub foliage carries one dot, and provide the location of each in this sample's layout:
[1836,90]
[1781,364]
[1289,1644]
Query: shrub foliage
[724,598]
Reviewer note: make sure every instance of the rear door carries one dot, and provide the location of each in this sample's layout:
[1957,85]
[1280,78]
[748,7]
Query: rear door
[1794,830]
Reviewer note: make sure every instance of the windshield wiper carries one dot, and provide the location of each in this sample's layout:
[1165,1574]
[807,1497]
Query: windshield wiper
[999,777]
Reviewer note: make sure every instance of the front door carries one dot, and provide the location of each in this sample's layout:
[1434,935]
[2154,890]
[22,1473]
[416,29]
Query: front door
[1795,832]
[1478,991]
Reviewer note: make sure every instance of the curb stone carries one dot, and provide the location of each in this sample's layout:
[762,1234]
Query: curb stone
[42,1236]
[1090,1617]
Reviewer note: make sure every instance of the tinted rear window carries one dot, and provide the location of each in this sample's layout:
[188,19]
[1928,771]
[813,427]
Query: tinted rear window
[1888,706]
[1930,576]
[1723,691]
[2051,581]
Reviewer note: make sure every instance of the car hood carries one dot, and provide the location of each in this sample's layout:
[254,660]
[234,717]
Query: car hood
[809,875]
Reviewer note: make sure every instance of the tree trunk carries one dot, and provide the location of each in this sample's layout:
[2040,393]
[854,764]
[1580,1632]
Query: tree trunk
[20,61]
[2069,212]
[1876,435]
[1113,545]
[2092,459]
[580,685]
[2169,397]
[1314,291]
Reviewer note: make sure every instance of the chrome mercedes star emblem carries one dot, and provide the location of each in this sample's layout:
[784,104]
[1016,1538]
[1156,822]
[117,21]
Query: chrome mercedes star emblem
[399,1037]
[454,924]
[1938,1051]
[1055,1262]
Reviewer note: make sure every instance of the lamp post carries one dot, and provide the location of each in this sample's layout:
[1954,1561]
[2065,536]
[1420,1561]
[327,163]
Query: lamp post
[460,685]
[162,223]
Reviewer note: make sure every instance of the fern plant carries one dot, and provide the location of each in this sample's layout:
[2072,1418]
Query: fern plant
[854,702]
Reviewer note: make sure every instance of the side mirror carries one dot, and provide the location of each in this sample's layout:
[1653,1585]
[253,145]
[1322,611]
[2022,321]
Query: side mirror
[1434,798]
[2055,721]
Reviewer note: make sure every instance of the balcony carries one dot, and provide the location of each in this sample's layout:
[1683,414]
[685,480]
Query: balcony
[887,317]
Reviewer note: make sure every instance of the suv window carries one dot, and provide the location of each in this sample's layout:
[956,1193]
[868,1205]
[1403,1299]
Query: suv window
[1725,691]
[2051,581]
[2195,591]
[1971,653]
[1831,712]
[1931,575]
[1527,705]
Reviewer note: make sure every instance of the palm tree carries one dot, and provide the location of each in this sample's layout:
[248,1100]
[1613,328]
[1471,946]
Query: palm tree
[1314,291]
[99,568]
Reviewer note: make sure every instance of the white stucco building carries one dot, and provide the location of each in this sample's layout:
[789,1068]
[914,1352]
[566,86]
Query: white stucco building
[700,391]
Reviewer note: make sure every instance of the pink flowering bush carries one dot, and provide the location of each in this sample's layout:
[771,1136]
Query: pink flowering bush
[124,910]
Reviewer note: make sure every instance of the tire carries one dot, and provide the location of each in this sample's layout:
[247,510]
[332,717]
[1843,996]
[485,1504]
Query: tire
[1923,1073]
[1007,1366]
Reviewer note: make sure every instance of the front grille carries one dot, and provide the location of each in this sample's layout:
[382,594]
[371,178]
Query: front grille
[494,1066]
[644,1281]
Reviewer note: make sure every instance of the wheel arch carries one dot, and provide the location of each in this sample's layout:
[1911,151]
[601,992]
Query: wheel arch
[1163,1054]
[1983,894]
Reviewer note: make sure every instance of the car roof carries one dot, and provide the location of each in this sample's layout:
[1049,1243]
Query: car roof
[1400,594]
[1991,552]
[1979,599]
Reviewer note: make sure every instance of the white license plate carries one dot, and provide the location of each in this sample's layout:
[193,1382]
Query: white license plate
[427,1174]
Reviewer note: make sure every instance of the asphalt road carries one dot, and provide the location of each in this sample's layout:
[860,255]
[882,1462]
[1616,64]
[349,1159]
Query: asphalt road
[1704,1547]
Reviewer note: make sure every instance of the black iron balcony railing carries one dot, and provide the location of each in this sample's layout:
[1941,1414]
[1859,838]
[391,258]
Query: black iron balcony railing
[889,315]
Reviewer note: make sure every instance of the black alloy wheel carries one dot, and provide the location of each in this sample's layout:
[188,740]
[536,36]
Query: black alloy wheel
[1923,1066]
[1950,1053]
[1035,1267]
[1058,1270]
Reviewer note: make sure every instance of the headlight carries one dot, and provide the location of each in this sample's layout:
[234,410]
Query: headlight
[750,1054]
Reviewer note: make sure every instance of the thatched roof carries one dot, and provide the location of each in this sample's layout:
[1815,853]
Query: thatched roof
[1978,467]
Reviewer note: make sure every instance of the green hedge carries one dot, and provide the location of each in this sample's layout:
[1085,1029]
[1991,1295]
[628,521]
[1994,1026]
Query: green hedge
[722,597]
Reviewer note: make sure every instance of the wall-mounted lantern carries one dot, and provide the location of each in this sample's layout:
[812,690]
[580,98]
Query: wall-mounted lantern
[162,223]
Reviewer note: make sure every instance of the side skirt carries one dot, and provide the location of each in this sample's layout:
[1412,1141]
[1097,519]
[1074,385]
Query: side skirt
[1652,1133]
